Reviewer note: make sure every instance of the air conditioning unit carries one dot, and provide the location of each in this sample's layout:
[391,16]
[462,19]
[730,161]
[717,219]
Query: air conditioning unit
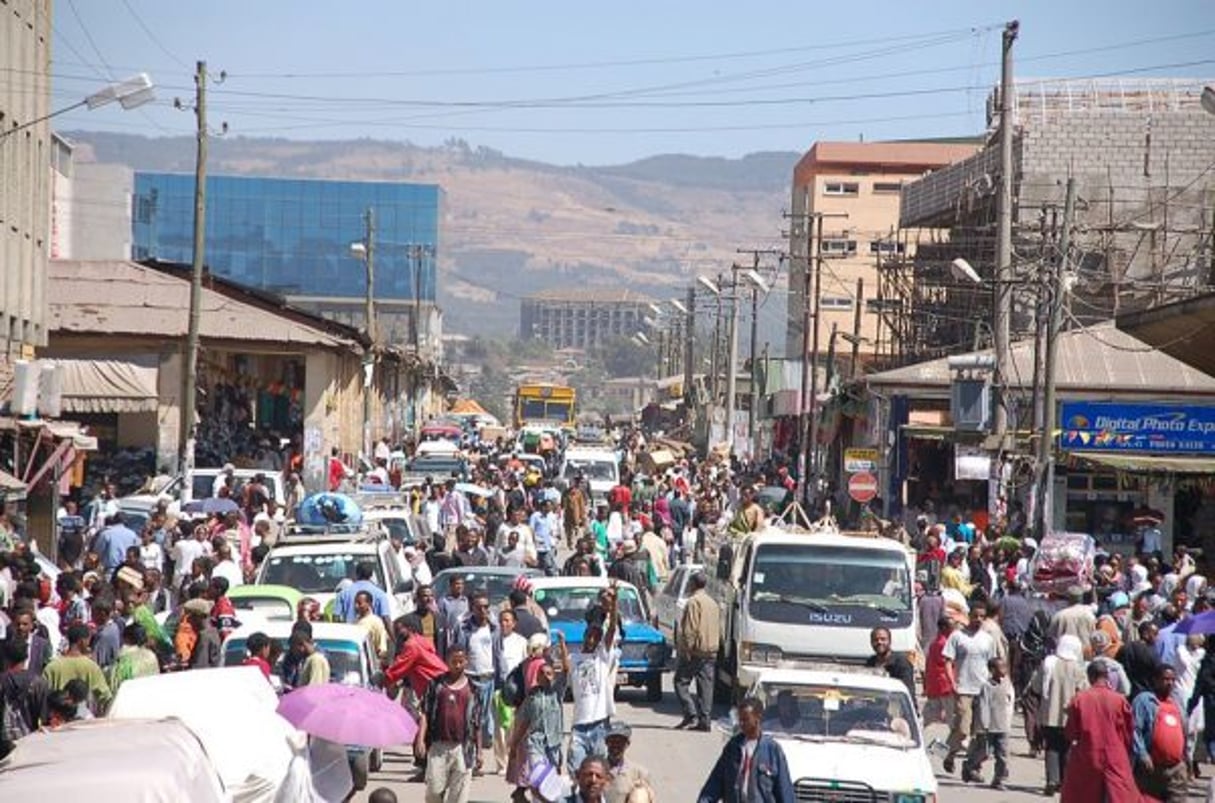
[970,404]
[50,390]
[25,388]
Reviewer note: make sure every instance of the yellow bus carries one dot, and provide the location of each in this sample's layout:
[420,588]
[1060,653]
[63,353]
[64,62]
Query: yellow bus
[544,404]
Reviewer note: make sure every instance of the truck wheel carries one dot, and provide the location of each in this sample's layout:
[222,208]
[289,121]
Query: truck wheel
[359,770]
[653,688]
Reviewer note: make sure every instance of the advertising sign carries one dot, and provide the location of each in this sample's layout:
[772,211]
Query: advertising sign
[856,460]
[1154,428]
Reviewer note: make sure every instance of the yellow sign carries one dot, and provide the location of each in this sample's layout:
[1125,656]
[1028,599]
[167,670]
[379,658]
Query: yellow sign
[858,460]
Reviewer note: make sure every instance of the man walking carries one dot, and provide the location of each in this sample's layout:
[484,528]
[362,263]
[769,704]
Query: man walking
[1099,727]
[447,732]
[752,766]
[966,655]
[478,637]
[591,673]
[1159,741]
[696,654]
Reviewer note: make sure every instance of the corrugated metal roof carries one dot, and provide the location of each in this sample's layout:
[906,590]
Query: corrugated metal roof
[1184,329]
[1096,358]
[121,297]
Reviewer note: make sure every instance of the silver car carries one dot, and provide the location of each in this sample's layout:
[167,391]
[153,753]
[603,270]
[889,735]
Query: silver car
[670,601]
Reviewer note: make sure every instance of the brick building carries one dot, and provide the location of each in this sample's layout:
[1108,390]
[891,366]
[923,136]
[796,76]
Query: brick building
[1143,154]
[583,318]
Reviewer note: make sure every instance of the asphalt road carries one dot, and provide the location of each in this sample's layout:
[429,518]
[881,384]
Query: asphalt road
[678,762]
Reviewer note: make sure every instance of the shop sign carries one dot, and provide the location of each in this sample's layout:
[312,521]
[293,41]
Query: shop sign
[857,460]
[970,463]
[1156,428]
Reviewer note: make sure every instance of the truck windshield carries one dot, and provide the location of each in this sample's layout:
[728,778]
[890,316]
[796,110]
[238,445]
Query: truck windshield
[822,578]
[591,469]
[842,712]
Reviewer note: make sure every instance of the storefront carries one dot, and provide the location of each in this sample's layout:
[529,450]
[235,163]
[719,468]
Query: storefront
[1125,457]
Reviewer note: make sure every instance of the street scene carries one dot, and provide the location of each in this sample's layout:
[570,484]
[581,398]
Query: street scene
[563,405]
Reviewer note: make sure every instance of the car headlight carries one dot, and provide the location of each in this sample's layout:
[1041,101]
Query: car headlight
[912,797]
[753,653]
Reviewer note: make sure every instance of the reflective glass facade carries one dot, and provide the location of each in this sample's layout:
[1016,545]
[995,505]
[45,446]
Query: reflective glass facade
[293,236]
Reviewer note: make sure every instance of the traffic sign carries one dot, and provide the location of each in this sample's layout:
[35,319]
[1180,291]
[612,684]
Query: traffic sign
[856,460]
[862,487]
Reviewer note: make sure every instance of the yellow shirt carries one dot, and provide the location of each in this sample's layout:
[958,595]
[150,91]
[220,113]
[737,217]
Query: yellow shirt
[953,578]
[379,634]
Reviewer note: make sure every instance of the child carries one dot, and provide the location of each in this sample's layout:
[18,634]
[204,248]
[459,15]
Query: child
[993,720]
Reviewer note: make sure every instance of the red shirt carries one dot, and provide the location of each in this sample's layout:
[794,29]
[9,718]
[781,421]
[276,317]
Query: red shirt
[337,473]
[1168,735]
[417,663]
[928,555]
[936,678]
[620,496]
[259,662]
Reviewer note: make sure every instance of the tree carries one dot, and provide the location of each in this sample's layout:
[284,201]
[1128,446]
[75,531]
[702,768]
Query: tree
[623,357]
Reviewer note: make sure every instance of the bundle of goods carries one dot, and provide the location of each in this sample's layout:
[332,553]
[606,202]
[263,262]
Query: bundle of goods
[1063,560]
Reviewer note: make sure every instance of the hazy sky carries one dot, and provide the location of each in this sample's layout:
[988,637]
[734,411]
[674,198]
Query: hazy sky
[600,83]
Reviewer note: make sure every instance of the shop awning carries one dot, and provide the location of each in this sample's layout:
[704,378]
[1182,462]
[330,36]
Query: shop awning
[11,487]
[1149,463]
[108,386]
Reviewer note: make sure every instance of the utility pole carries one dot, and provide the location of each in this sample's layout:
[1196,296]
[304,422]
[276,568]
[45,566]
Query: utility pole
[187,408]
[1046,446]
[856,327]
[732,360]
[716,361]
[689,353]
[754,368]
[370,358]
[1002,312]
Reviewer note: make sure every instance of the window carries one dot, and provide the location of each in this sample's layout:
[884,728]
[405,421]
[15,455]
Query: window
[841,188]
[887,186]
[838,247]
[835,302]
[885,247]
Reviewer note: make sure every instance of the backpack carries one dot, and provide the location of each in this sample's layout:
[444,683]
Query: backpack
[513,688]
[12,725]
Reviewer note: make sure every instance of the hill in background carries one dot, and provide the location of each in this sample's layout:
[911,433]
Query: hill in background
[513,226]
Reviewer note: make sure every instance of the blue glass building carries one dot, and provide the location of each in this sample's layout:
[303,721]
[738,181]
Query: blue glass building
[292,236]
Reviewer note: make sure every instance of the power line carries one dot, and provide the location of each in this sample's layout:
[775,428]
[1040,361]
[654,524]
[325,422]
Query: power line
[154,38]
[88,37]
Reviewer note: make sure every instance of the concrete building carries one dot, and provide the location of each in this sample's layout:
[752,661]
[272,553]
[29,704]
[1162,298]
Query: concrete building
[90,206]
[1141,150]
[25,177]
[861,180]
[583,318]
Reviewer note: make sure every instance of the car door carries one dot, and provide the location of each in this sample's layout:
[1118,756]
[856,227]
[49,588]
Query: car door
[666,602]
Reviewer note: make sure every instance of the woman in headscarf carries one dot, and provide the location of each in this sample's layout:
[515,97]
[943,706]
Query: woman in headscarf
[1195,588]
[1062,677]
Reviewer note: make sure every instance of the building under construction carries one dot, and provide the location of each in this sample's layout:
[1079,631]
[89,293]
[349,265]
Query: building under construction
[1142,152]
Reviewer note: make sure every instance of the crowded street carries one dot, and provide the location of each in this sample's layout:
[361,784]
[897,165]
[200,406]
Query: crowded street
[566,403]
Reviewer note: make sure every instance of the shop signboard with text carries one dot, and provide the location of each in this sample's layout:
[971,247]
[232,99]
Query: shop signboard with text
[1154,428]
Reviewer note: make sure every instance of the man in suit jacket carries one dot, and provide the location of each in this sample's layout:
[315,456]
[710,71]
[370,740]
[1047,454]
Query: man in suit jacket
[38,647]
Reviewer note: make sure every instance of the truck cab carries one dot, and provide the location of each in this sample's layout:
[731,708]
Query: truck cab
[792,597]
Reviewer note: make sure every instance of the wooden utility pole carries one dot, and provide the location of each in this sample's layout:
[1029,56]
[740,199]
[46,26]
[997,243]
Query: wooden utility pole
[187,407]
[1002,312]
[1046,445]
[856,327]
[689,352]
[369,359]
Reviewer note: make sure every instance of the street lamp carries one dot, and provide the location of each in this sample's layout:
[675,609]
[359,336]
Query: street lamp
[364,250]
[961,270]
[708,284]
[130,94]
[678,305]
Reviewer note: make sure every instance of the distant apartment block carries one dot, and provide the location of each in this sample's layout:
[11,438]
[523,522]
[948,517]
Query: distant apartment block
[856,186]
[583,318]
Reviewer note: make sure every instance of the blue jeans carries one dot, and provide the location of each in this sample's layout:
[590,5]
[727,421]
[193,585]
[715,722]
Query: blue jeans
[485,692]
[587,740]
[548,563]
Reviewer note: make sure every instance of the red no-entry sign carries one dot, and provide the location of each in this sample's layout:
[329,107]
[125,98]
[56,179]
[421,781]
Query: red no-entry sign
[862,487]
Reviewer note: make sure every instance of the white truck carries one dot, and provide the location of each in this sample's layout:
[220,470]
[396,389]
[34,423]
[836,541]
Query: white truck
[790,598]
[599,467]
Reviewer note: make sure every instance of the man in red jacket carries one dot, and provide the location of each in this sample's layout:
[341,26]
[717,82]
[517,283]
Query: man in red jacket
[416,662]
[1099,728]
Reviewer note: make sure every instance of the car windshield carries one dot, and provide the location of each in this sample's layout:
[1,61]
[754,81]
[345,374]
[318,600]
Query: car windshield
[436,465]
[317,573]
[498,586]
[591,469]
[826,577]
[571,604]
[268,607]
[343,656]
[397,528]
[839,712]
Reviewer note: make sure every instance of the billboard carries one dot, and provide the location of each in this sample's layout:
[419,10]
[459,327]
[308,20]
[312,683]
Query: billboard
[1137,427]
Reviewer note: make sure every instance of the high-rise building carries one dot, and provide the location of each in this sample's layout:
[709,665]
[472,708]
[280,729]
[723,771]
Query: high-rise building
[25,174]
[293,237]
[583,318]
[855,186]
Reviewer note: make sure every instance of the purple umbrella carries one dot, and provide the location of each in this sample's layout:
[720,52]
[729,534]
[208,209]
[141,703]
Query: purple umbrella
[348,715]
[1202,624]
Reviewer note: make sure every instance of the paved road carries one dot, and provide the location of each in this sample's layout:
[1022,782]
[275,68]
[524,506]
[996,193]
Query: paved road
[678,762]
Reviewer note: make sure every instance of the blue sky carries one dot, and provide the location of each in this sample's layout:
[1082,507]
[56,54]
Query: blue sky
[601,83]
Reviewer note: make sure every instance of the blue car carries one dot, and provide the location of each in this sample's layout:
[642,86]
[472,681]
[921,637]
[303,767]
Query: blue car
[645,652]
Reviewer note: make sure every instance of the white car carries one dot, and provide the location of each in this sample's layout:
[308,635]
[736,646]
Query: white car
[848,734]
[316,568]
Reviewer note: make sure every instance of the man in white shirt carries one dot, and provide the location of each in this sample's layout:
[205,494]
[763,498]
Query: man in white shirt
[478,635]
[593,678]
[966,655]
[527,539]
[227,568]
[228,472]
[186,551]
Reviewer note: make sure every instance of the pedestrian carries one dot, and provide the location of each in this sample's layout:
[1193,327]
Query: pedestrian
[108,638]
[966,654]
[592,672]
[1099,728]
[206,652]
[513,647]
[1062,678]
[478,636]
[450,611]
[539,723]
[752,766]
[993,723]
[134,659]
[627,782]
[366,618]
[1117,679]
[364,574]
[939,689]
[696,645]
[593,778]
[416,663]
[258,647]
[1139,659]
[896,664]
[448,732]
[314,669]
[76,665]
[1159,741]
